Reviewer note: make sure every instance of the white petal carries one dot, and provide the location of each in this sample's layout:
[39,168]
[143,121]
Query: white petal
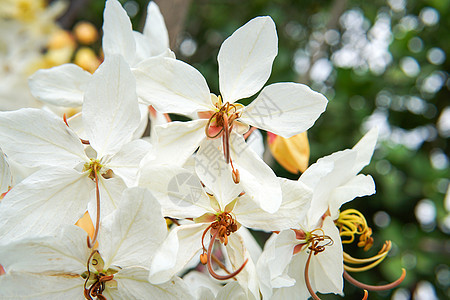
[358,186]
[121,241]
[274,261]
[201,283]
[110,110]
[125,163]
[155,30]
[44,201]
[117,32]
[326,268]
[172,86]
[65,253]
[5,174]
[215,173]
[296,201]
[40,287]
[246,57]
[365,148]
[177,141]
[182,243]
[237,254]
[132,283]
[110,195]
[257,179]
[256,142]
[178,190]
[232,290]
[34,138]
[285,109]
[61,86]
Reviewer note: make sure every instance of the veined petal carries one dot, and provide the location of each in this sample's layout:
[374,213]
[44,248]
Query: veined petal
[272,266]
[18,285]
[121,241]
[296,201]
[110,110]
[132,283]
[65,253]
[237,253]
[44,201]
[358,186]
[246,57]
[285,108]
[5,174]
[215,173]
[117,32]
[61,86]
[178,190]
[110,195]
[326,268]
[180,246]
[177,141]
[257,178]
[365,148]
[37,138]
[155,30]
[172,86]
[125,163]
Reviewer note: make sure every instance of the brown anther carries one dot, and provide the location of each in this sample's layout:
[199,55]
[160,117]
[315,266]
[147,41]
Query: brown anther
[236,176]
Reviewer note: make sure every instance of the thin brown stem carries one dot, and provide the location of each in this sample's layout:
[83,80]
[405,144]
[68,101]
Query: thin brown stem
[308,284]
[97,222]
[375,287]
[210,269]
[219,263]
[226,139]
[249,132]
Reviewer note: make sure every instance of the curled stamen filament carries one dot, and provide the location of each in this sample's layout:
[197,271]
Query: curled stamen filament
[374,261]
[375,287]
[210,269]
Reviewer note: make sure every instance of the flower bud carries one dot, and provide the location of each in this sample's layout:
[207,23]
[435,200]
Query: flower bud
[291,153]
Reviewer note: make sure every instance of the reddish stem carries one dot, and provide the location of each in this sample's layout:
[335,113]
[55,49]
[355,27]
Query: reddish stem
[375,287]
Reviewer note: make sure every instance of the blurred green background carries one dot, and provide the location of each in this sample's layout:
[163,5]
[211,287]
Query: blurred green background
[380,63]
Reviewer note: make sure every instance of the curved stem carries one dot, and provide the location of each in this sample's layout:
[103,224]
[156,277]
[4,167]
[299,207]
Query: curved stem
[308,284]
[97,222]
[226,139]
[366,295]
[375,287]
[207,128]
[210,269]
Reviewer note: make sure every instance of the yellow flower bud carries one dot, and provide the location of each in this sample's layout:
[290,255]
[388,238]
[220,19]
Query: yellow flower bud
[291,153]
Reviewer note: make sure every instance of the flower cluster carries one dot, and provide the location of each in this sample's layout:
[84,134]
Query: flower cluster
[91,208]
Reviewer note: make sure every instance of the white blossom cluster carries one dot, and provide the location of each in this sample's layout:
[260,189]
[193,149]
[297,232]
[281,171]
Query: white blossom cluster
[202,175]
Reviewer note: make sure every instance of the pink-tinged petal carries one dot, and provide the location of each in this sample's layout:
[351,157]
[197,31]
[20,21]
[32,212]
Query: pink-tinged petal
[172,86]
[245,59]
[61,86]
[110,110]
[285,109]
[117,32]
[38,138]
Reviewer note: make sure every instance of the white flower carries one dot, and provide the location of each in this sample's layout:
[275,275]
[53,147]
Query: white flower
[245,62]
[334,180]
[59,192]
[62,267]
